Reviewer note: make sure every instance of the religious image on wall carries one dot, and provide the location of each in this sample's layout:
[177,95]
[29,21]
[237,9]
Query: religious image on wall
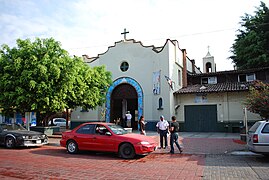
[157,82]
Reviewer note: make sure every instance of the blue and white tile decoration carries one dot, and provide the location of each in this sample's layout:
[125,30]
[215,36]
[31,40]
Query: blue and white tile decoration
[133,83]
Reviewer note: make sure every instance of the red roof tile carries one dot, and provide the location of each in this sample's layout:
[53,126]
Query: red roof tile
[220,87]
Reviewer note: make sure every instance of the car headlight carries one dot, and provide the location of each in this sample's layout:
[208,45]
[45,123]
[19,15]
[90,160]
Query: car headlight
[144,143]
[25,137]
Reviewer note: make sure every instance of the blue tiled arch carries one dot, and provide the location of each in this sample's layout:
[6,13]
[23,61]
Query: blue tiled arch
[133,83]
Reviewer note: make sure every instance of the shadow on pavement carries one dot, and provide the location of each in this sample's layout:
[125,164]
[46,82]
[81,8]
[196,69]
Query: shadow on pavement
[61,152]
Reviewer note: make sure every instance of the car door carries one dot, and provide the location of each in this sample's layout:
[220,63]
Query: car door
[85,137]
[104,141]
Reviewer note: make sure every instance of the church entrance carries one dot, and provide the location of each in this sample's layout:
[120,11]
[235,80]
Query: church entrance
[124,98]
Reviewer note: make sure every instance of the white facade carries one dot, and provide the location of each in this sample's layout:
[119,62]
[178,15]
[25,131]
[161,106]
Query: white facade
[143,62]
[229,106]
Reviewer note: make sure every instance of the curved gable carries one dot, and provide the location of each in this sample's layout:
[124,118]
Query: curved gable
[154,48]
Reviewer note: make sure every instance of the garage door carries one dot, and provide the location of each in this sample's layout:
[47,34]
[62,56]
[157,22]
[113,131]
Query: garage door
[200,118]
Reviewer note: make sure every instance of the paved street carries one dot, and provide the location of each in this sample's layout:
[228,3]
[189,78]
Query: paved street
[205,156]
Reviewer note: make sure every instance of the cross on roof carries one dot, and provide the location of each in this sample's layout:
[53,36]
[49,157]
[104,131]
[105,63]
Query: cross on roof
[124,33]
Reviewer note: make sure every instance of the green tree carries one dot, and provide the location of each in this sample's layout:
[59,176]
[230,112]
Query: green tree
[258,99]
[40,76]
[250,49]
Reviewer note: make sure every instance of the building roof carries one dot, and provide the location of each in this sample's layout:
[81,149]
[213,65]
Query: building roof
[209,88]
[208,54]
[229,72]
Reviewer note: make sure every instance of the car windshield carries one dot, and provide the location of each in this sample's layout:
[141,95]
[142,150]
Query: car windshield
[117,129]
[12,127]
[254,127]
[59,119]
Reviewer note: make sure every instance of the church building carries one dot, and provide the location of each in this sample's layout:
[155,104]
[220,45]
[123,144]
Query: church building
[144,81]
[152,81]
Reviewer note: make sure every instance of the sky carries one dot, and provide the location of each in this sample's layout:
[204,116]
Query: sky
[91,26]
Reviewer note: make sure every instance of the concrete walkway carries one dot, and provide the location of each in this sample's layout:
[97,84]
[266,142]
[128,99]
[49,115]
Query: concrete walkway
[205,143]
[201,134]
[194,142]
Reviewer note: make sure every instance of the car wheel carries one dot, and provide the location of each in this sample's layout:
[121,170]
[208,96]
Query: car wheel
[10,142]
[72,147]
[127,151]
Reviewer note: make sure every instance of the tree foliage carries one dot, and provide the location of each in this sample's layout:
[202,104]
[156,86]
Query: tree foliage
[251,47]
[258,99]
[40,76]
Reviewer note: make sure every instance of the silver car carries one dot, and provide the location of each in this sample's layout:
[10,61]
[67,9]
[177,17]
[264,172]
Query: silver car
[58,122]
[258,138]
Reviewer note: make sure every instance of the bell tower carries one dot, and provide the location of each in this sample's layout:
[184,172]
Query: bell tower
[208,63]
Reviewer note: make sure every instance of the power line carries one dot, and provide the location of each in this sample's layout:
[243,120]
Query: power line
[186,35]
[175,37]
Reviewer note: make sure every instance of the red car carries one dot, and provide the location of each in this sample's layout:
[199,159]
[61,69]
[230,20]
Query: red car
[107,137]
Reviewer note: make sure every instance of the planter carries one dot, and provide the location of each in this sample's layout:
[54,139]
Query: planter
[50,130]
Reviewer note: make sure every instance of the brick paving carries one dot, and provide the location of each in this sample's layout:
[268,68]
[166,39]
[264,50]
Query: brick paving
[202,158]
[50,162]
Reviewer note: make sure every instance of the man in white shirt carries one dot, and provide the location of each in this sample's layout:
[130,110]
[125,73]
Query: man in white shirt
[162,128]
[128,119]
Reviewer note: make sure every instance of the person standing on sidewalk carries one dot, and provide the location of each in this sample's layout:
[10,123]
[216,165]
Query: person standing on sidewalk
[128,116]
[174,129]
[162,129]
[142,125]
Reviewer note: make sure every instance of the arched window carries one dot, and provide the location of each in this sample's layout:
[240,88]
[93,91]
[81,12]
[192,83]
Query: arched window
[208,67]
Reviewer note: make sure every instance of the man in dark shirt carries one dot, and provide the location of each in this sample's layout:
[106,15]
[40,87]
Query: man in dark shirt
[174,128]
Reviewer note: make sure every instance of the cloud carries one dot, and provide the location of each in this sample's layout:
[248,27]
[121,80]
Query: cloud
[90,26]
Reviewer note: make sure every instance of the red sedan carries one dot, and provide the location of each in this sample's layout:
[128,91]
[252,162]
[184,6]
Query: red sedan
[107,137]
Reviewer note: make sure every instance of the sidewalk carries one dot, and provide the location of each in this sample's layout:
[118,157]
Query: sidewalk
[205,143]
[193,142]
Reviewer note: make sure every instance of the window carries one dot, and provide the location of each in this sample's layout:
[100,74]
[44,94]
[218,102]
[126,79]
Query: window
[265,128]
[179,77]
[242,78]
[124,66]
[60,120]
[87,129]
[208,67]
[251,77]
[204,80]
[254,127]
[246,77]
[209,80]
[101,130]
[160,104]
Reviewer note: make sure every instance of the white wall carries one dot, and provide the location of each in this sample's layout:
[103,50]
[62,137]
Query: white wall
[229,106]
[143,61]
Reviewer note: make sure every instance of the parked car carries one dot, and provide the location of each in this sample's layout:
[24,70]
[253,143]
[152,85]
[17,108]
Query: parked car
[13,135]
[107,137]
[258,137]
[57,122]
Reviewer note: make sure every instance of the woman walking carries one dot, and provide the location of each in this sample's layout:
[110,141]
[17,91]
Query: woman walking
[142,125]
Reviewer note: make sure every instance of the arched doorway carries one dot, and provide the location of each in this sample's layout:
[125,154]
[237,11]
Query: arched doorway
[124,94]
[123,99]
